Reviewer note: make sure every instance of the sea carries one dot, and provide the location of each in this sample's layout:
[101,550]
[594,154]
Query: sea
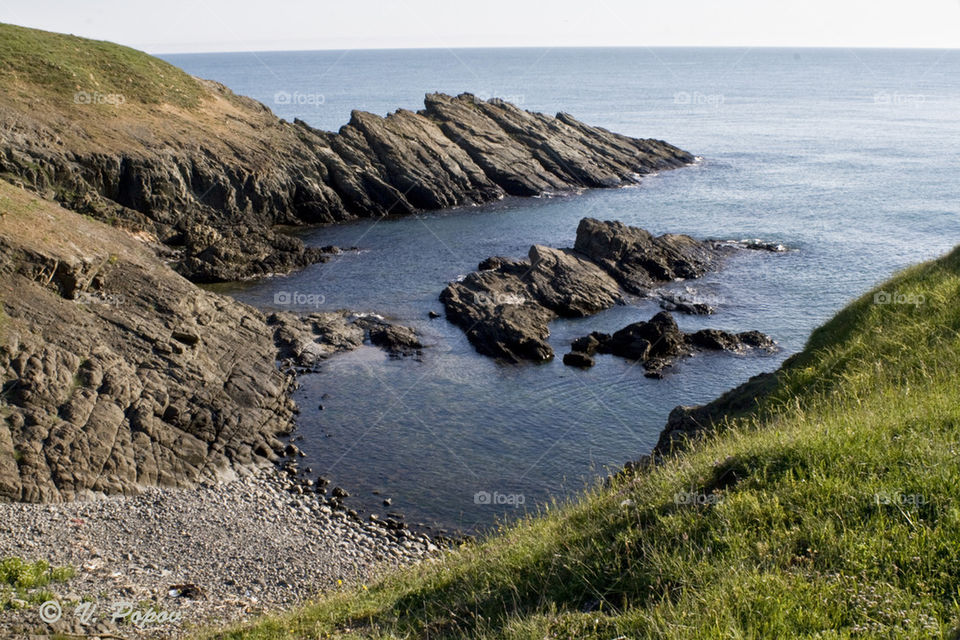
[850,158]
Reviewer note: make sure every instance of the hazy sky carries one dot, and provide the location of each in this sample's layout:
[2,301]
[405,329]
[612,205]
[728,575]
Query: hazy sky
[168,26]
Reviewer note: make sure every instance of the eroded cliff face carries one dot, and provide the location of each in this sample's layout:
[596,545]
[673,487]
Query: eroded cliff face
[119,373]
[211,181]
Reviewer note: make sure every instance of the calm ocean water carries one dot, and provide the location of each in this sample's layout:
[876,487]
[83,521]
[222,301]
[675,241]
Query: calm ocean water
[850,157]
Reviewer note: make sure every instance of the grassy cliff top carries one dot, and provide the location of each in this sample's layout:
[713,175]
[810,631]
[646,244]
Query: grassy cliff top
[67,92]
[832,511]
[86,71]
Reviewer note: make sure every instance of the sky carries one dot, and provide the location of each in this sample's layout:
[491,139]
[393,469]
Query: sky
[178,26]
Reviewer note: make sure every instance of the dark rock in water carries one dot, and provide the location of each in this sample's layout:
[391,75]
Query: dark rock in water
[578,359]
[396,340]
[339,492]
[659,342]
[714,339]
[506,309]
[760,245]
[757,340]
[589,344]
[506,306]
[433,315]
[680,303]
[658,338]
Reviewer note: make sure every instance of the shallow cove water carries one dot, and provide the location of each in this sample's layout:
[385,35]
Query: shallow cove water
[848,157]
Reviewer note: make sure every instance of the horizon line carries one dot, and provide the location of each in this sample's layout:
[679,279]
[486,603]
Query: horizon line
[611,46]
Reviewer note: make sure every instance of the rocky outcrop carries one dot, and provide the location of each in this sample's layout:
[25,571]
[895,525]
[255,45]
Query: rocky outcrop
[638,260]
[396,340]
[659,342]
[305,341]
[212,179]
[118,373]
[505,308]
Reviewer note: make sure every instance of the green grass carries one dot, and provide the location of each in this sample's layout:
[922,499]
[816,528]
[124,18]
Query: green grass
[76,69]
[24,582]
[831,511]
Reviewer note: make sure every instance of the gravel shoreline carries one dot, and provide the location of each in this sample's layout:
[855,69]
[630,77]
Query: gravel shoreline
[251,545]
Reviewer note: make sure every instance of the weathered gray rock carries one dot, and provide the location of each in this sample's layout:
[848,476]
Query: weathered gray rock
[397,340]
[506,306]
[119,373]
[305,341]
[639,260]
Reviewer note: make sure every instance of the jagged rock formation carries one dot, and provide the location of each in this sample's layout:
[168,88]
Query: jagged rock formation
[659,342]
[505,307]
[211,173]
[119,373]
[638,260]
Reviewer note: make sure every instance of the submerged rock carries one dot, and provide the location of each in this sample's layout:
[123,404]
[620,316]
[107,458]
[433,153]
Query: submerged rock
[659,342]
[396,340]
[578,359]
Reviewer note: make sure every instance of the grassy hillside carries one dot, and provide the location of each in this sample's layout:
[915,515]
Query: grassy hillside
[78,68]
[830,512]
[91,96]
